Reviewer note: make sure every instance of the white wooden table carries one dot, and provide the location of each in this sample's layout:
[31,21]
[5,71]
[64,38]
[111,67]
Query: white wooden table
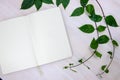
[79,41]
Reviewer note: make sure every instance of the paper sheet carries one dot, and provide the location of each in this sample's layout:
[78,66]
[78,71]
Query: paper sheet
[33,40]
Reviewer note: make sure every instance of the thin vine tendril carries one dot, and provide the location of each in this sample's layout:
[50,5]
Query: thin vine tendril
[89,56]
[110,38]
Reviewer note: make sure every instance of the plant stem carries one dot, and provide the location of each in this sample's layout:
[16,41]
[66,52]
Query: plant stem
[89,56]
[83,61]
[109,35]
[96,29]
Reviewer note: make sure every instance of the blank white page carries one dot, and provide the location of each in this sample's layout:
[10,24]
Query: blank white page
[33,40]
[15,45]
[50,38]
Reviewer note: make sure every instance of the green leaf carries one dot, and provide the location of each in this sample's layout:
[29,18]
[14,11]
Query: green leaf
[71,64]
[83,2]
[65,3]
[101,28]
[66,67]
[94,44]
[38,4]
[58,2]
[109,52]
[104,69]
[27,4]
[88,67]
[103,39]
[110,20]
[78,11]
[115,43]
[87,28]
[95,18]
[90,9]
[98,54]
[80,61]
[47,1]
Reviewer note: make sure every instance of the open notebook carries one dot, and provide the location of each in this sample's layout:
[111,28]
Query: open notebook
[33,40]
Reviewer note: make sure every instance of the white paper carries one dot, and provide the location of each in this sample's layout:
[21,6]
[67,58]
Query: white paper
[49,36]
[33,40]
[15,45]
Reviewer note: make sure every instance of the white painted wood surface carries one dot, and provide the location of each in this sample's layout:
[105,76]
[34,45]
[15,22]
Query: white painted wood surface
[79,42]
